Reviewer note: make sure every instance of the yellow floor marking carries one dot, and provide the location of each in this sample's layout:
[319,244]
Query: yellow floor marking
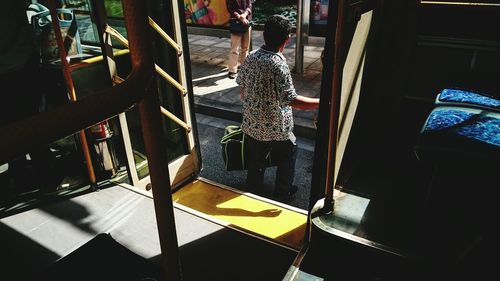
[263,218]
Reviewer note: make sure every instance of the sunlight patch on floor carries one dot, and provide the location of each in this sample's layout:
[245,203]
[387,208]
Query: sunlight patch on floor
[283,225]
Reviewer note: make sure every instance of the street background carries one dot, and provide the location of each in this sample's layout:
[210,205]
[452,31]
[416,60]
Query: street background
[218,104]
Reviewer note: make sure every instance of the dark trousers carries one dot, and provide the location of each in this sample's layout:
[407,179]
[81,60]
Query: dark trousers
[284,156]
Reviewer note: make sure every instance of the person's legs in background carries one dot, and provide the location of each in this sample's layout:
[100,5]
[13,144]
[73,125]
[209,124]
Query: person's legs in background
[245,45]
[234,54]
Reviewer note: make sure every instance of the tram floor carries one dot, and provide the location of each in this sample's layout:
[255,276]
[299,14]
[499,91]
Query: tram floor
[268,219]
[38,238]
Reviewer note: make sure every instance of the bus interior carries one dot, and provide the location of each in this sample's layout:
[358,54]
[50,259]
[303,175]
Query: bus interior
[406,156]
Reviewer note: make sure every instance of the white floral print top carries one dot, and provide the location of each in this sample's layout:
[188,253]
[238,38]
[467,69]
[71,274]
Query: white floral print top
[268,91]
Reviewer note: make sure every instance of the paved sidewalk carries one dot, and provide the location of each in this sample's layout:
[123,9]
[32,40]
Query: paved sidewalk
[217,95]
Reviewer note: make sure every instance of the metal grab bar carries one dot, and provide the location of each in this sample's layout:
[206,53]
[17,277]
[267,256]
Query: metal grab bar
[160,71]
[18,137]
[333,136]
[70,86]
[163,73]
[164,111]
[175,119]
[169,78]
[165,36]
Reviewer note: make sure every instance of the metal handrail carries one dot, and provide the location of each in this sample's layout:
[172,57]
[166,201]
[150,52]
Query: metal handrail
[174,118]
[70,87]
[165,36]
[335,109]
[113,32]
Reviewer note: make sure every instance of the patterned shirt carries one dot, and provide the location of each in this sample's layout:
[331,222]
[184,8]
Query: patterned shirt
[268,91]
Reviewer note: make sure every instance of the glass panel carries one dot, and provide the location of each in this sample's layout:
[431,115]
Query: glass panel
[170,98]
[93,76]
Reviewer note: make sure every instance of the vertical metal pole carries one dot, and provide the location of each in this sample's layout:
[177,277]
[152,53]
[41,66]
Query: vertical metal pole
[335,108]
[302,34]
[149,109]
[70,87]
[299,44]
[154,143]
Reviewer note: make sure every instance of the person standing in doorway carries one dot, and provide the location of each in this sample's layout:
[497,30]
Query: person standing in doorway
[268,96]
[240,11]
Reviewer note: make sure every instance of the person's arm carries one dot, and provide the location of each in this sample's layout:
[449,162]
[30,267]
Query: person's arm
[305,103]
[288,92]
[243,17]
[248,10]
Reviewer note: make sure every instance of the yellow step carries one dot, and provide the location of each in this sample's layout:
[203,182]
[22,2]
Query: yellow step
[262,217]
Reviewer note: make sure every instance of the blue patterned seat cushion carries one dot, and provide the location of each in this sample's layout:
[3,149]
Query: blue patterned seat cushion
[467,98]
[458,132]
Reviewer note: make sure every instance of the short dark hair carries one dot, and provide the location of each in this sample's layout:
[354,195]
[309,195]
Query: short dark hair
[276,30]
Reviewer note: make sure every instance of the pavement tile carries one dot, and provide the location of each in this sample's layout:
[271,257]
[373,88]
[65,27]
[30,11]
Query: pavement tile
[226,44]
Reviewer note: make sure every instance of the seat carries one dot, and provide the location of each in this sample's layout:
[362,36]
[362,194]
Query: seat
[460,140]
[455,133]
[466,98]
[463,124]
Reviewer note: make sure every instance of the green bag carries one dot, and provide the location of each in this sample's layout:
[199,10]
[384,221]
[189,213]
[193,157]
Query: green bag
[234,150]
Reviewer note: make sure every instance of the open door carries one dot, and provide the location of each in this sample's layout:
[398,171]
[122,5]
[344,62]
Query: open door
[172,83]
